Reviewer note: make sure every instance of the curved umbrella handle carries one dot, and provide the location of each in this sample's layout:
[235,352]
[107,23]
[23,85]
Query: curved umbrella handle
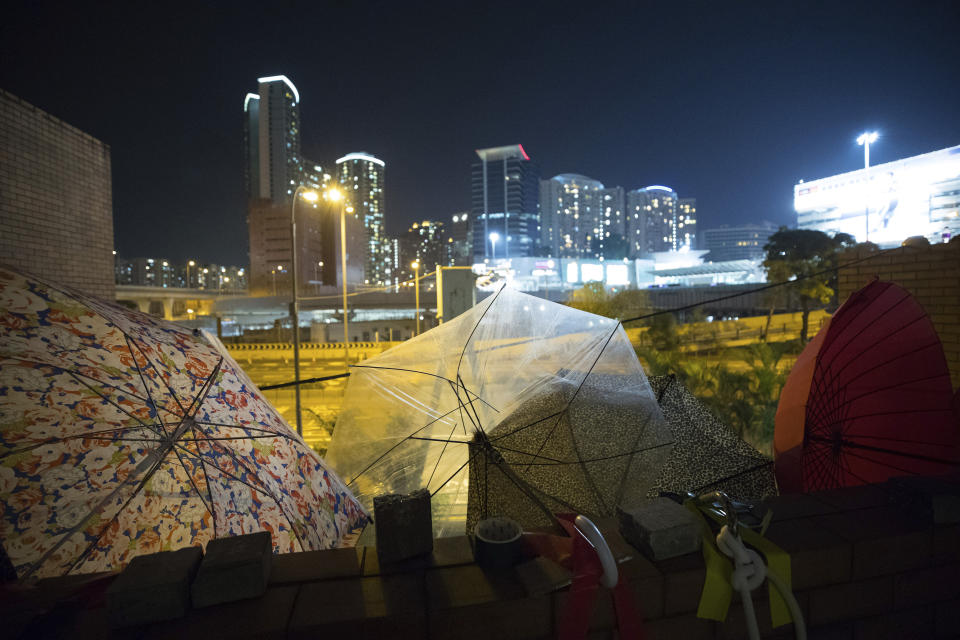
[599,543]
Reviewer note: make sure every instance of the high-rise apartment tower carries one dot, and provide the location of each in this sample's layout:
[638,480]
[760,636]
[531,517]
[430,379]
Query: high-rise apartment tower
[361,176]
[504,198]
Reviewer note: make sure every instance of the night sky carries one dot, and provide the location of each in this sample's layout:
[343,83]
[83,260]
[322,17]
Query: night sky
[729,102]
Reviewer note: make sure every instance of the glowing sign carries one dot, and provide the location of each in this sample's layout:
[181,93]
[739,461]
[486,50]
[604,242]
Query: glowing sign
[617,274]
[285,80]
[918,196]
[592,272]
[362,156]
[573,273]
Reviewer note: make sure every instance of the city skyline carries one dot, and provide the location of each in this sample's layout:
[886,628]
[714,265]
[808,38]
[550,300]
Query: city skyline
[743,110]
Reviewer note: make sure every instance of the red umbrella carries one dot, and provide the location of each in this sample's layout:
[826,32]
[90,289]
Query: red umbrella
[869,398]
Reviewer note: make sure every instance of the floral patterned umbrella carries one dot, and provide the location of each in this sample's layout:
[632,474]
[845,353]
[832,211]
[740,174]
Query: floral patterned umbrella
[121,434]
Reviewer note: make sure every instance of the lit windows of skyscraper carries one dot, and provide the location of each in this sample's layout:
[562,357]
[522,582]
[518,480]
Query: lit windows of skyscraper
[686,232]
[361,177]
[571,216]
[504,195]
[271,133]
[459,242]
[737,242]
[651,221]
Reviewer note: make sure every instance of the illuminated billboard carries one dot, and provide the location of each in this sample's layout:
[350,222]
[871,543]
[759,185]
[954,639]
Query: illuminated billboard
[918,196]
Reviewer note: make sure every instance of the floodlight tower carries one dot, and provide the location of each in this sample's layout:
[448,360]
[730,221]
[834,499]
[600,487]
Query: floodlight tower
[865,140]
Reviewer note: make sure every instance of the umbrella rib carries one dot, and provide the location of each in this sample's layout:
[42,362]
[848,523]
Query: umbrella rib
[497,437]
[262,489]
[470,401]
[153,403]
[573,439]
[866,327]
[173,394]
[76,528]
[912,350]
[761,465]
[893,452]
[626,472]
[423,373]
[75,376]
[454,475]
[883,464]
[602,458]
[237,426]
[442,451]
[79,436]
[549,435]
[390,450]
[456,393]
[933,444]
[477,326]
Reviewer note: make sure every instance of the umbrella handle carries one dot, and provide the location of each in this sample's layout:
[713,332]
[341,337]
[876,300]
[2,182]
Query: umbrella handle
[599,543]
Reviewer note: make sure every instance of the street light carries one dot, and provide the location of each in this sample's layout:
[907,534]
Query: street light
[415,265]
[335,195]
[310,196]
[865,140]
[494,236]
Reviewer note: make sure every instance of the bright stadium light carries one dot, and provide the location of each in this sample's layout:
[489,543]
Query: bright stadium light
[865,140]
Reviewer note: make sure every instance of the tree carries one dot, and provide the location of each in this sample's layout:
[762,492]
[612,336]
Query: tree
[805,259]
[594,298]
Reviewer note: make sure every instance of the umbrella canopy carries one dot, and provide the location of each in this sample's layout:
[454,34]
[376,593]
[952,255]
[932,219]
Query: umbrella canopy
[121,434]
[869,398]
[520,378]
[707,455]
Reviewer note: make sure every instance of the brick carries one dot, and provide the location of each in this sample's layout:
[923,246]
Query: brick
[817,556]
[926,585]
[660,528]
[466,602]
[235,568]
[850,600]
[153,588]
[946,544]
[404,526]
[911,623]
[682,583]
[797,505]
[688,627]
[379,606]
[263,617]
[883,540]
[447,552]
[947,619]
[735,626]
[311,566]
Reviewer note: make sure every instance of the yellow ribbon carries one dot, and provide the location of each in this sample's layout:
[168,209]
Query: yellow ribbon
[717,592]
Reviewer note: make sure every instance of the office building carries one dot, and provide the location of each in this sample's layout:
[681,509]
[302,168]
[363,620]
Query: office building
[459,243]
[425,242]
[744,242]
[56,202]
[361,176]
[651,223]
[504,202]
[887,203]
[271,135]
[614,216]
[686,231]
[571,216]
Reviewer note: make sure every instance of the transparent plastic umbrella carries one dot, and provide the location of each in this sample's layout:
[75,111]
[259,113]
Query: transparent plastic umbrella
[515,382]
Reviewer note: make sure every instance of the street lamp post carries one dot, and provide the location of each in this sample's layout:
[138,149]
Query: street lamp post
[294,305]
[334,195]
[189,264]
[494,236]
[415,265]
[316,276]
[865,140]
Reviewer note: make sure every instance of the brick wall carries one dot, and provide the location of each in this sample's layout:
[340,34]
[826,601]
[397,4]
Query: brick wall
[56,205]
[931,274]
[865,564]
